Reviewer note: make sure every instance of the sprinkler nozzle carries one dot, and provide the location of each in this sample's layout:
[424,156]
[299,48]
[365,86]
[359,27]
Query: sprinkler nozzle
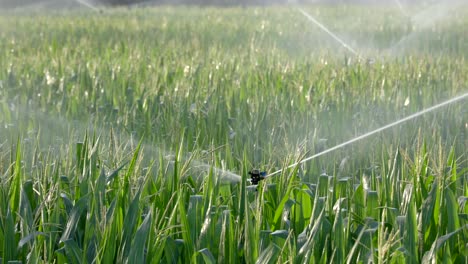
[256,176]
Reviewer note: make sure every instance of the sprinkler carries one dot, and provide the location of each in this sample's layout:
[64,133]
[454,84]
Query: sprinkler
[256,176]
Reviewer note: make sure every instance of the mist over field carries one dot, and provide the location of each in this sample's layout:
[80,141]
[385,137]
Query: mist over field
[75,3]
[233,131]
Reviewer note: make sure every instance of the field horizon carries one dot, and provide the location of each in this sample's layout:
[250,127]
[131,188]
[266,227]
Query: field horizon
[128,135]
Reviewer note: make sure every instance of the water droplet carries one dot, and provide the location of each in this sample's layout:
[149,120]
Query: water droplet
[193,108]
[186,70]
[232,134]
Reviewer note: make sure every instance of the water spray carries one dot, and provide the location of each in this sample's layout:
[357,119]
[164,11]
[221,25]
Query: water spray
[257,176]
[400,7]
[331,34]
[89,5]
[424,20]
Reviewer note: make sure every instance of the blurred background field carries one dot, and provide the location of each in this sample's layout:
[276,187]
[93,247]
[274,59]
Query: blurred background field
[127,133]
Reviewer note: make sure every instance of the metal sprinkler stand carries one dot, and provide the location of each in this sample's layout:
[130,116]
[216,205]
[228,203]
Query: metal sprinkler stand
[256,176]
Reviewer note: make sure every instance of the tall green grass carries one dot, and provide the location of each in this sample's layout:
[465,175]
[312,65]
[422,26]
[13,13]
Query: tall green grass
[115,127]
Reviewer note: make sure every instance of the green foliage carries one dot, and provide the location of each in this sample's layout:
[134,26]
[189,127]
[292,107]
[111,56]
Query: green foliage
[128,136]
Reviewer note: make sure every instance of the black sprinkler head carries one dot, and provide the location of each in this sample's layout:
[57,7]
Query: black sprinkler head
[256,176]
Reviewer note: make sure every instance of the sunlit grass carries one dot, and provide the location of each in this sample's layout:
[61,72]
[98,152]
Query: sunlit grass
[127,137]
